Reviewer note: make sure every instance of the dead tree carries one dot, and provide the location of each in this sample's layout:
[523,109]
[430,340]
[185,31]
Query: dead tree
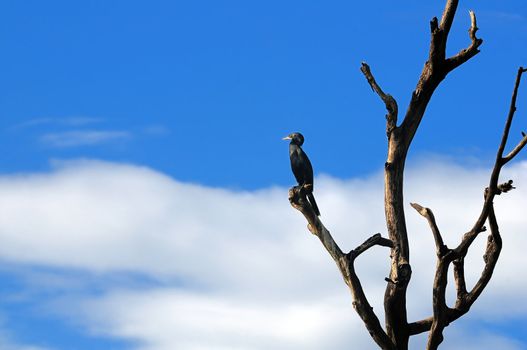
[398,329]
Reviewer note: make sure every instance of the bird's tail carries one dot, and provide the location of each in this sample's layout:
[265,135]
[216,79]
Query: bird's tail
[313,203]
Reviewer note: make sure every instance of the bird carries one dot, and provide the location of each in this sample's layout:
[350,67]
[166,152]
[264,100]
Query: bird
[301,167]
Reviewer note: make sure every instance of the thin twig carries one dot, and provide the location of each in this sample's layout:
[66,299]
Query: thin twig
[429,216]
[465,54]
[376,239]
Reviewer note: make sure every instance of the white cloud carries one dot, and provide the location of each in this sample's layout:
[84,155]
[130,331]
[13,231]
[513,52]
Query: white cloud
[239,270]
[169,318]
[75,138]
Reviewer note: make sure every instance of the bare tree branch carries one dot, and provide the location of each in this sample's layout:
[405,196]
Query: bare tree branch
[360,302]
[492,253]
[439,319]
[466,54]
[465,300]
[389,101]
[505,187]
[400,272]
[440,309]
[448,15]
[376,239]
[297,198]
[492,190]
[421,326]
[427,213]
[437,67]
[512,110]
[459,278]
[434,71]
[516,150]
[443,315]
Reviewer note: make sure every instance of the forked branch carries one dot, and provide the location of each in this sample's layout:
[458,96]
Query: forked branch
[345,263]
[500,161]
[444,257]
[443,315]
[465,54]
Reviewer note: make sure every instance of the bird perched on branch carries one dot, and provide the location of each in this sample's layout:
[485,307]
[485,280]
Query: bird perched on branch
[301,167]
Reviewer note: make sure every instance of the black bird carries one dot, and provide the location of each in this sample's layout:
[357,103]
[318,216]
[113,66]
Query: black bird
[301,166]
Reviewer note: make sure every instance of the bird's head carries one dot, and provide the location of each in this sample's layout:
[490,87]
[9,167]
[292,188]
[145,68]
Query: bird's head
[296,138]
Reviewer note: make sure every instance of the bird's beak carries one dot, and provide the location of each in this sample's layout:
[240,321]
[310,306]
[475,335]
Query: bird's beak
[287,138]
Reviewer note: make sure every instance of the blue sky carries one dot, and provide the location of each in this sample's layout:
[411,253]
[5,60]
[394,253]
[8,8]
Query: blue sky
[164,78]
[147,98]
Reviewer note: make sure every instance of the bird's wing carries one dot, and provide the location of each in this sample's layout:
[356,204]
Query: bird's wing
[308,168]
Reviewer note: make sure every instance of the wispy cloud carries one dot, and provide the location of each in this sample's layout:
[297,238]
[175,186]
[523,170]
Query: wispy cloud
[8,343]
[78,138]
[503,16]
[156,130]
[69,121]
[239,270]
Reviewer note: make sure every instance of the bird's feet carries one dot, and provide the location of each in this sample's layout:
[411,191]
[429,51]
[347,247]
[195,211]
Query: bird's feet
[307,188]
[295,194]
